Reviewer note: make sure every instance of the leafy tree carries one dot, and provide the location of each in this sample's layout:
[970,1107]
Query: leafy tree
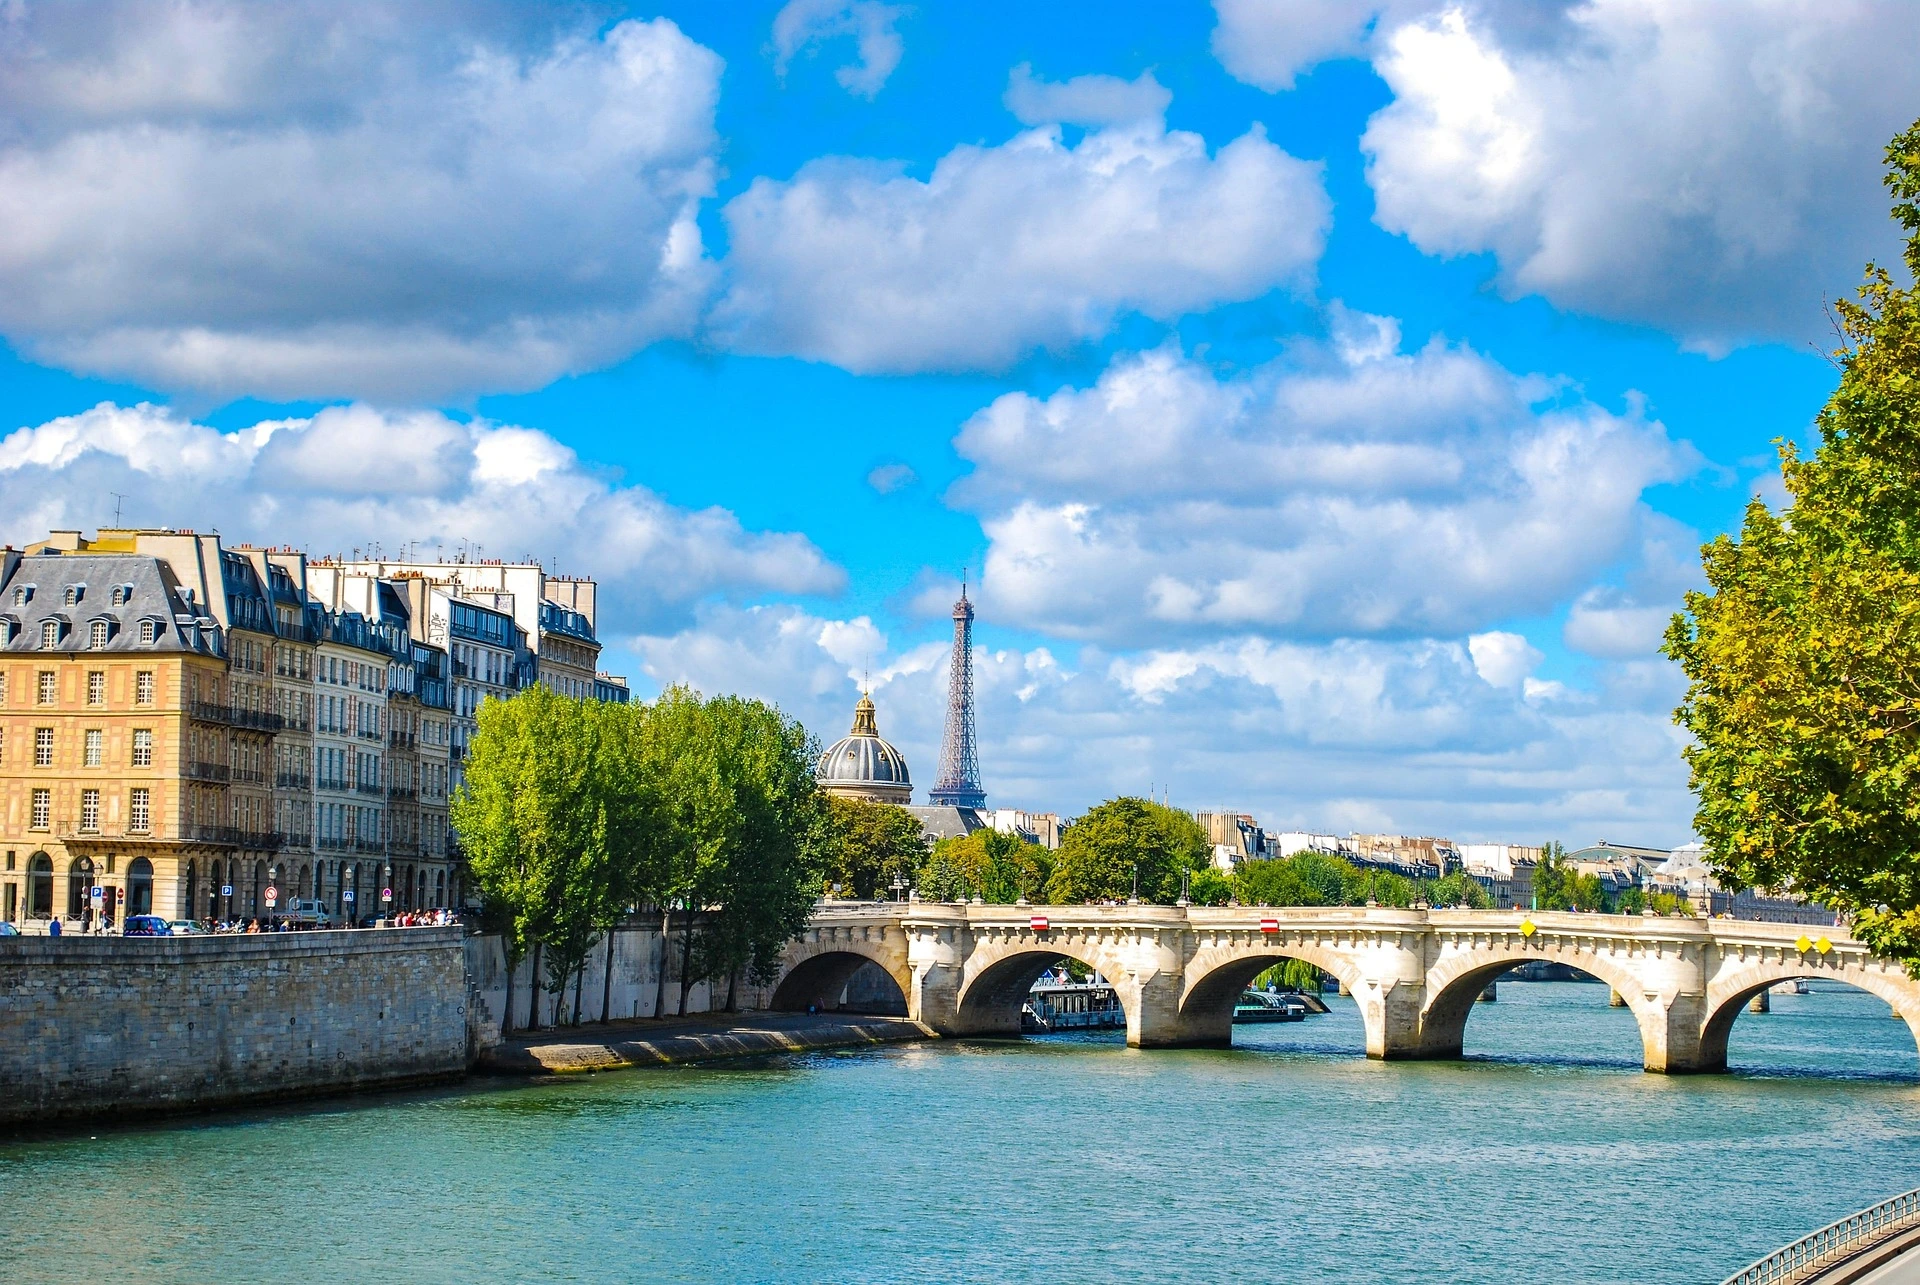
[542,830]
[1803,656]
[872,844]
[1458,889]
[1000,867]
[1552,879]
[1209,887]
[757,881]
[1303,879]
[1101,852]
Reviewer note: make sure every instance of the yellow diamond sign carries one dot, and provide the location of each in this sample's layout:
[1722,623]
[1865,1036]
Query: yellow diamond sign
[1801,944]
[1527,929]
[1823,945]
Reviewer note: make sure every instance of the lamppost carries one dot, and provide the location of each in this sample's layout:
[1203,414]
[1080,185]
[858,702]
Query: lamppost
[386,890]
[1134,900]
[1185,888]
[899,886]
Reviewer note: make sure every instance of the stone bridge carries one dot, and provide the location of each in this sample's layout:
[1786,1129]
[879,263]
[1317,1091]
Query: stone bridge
[964,970]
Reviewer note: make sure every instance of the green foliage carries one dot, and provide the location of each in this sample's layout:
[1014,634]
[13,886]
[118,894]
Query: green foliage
[576,811]
[1803,656]
[1290,975]
[1208,887]
[872,844]
[1458,889]
[1101,852]
[998,867]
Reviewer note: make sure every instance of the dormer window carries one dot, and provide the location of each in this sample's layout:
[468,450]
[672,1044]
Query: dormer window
[49,634]
[98,633]
[75,592]
[23,595]
[149,632]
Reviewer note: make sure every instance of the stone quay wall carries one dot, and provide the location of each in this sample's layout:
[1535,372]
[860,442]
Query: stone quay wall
[112,1026]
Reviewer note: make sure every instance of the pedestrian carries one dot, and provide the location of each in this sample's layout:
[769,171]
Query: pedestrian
[53,926]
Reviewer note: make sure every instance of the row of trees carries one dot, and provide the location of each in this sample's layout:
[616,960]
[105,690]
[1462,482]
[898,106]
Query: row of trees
[576,813]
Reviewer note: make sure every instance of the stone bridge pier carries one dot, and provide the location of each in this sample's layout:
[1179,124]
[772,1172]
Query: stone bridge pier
[1414,974]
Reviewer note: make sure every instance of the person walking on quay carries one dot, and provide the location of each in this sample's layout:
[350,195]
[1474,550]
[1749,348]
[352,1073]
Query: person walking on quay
[53,926]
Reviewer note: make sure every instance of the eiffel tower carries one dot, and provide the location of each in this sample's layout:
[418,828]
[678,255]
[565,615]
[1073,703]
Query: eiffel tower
[958,782]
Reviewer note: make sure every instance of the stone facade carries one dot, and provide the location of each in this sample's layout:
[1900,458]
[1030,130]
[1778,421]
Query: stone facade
[113,1026]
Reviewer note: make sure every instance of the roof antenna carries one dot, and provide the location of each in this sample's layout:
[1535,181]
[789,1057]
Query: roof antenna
[118,500]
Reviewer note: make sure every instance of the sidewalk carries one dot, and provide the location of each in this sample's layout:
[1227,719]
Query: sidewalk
[698,1038]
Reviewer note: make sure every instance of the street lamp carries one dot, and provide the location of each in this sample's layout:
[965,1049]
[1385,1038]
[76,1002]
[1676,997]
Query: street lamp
[1134,900]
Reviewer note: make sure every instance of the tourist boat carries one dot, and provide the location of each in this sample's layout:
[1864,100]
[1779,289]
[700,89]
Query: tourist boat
[1265,1006]
[1071,1006]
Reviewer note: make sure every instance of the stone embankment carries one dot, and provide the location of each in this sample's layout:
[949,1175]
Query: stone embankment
[698,1039]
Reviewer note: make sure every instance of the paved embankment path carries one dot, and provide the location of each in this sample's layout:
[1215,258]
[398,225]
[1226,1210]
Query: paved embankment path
[699,1038]
[1895,1261]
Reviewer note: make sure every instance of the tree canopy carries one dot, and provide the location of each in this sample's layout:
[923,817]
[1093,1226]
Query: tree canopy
[872,844]
[1803,654]
[1101,852]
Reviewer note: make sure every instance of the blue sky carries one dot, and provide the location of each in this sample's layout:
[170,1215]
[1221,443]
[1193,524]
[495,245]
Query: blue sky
[1327,398]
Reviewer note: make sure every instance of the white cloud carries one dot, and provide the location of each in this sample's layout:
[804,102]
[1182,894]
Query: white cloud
[1094,101]
[802,26]
[1031,244]
[1341,735]
[1711,170]
[1503,659]
[305,201]
[888,478]
[352,476]
[1269,42]
[1353,489]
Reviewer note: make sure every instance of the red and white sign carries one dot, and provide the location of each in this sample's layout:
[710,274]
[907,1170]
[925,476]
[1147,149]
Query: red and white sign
[273,895]
[1039,923]
[1269,925]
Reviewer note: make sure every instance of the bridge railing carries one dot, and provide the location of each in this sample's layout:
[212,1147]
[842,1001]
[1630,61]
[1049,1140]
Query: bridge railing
[1832,1244]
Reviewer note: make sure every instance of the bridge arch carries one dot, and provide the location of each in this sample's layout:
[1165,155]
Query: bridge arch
[1459,979]
[1218,974]
[1728,995]
[1001,973]
[817,966]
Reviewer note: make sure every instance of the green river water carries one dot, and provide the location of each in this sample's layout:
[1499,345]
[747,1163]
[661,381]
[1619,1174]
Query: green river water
[1546,1155]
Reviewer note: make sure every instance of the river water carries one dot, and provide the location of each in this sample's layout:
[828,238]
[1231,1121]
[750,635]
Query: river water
[1546,1155]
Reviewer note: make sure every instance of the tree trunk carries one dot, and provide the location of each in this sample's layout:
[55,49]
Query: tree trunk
[533,1005]
[579,988]
[506,1018]
[660,978]
[686,958]
[606,991]
[733,981]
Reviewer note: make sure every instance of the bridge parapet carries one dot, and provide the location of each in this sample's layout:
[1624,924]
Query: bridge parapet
[965,969]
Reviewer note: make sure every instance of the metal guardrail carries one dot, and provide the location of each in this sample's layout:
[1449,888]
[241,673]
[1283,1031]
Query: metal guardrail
[1832,1244]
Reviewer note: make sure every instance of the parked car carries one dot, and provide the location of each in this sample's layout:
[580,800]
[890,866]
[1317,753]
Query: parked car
[309,914]
[189,928]
[8,930]
[146,926]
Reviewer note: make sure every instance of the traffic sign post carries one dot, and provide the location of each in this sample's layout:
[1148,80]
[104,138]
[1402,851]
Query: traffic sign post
[273,895]
[347,896]
[226,890]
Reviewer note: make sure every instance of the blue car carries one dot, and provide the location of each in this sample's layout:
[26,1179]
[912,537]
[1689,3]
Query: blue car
[146,926]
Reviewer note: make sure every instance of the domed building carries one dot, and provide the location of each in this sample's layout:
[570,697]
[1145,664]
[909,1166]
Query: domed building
[861,765]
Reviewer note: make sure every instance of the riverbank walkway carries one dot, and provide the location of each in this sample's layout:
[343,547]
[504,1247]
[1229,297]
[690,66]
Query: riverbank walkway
[699,1038]
[1880,1245]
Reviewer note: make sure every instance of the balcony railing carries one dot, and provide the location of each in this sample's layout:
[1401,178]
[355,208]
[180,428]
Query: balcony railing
[258,719]
[402,740]
[296,723]
[406,792]
[227,836]
[292,781]
[196,771]
[249,776]
[365,788]
[368,736]
[331,843]
[209,712]
[369,845]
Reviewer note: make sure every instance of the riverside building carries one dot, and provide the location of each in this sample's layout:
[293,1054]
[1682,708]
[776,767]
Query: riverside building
[185,726]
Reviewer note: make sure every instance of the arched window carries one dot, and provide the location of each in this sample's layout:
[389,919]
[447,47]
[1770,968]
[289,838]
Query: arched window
[140,887]
[49,634]
[79,885]
[40,886]
[97,635]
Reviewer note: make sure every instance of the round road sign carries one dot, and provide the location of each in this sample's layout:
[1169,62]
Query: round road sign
[273,895]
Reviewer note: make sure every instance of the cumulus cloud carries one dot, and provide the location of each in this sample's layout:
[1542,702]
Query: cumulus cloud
[1001,250]
[888,478]
[351,476]
[1503,659]
[1270,42]
[1356,489]
[1710,171]
[1341,735]
[1085,100]
[803,26]
[383,201]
